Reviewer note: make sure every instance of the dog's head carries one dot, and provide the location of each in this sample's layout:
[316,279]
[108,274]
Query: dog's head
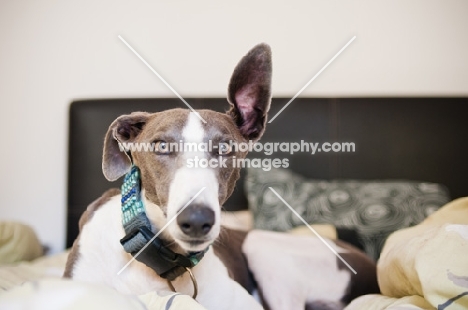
[171,178]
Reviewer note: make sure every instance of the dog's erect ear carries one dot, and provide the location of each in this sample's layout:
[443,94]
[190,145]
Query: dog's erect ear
[115,159]
[250,92]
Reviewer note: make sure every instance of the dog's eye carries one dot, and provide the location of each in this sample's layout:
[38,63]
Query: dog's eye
[224,149]
[162,147]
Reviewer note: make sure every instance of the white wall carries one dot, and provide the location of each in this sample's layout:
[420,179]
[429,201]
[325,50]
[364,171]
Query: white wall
[54,51]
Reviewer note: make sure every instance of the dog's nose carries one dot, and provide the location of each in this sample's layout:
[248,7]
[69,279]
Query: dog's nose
[196,220]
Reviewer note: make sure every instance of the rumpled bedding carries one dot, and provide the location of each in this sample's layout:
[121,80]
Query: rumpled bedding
[39,285]
[425,266]
[67,294]
[422,267]
[12,275]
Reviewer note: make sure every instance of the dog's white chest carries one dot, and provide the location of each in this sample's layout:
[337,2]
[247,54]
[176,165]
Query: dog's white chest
[101,257]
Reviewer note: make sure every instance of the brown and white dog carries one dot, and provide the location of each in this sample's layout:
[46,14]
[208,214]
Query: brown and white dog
[168,184]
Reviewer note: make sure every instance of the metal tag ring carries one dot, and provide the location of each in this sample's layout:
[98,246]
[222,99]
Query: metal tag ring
[194,281]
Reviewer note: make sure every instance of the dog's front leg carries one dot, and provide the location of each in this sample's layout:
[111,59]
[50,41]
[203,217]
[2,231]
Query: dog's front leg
[227,295]
[217,291]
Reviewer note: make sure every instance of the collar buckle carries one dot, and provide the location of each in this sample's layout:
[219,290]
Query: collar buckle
[143,244]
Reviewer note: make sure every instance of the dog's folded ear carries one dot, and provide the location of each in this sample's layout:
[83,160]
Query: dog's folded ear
[249,92]
[116,158]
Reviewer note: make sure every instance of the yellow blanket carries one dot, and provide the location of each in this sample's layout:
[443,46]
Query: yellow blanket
[425,266]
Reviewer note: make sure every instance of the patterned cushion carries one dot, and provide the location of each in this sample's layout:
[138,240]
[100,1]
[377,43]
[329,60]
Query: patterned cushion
[373,208]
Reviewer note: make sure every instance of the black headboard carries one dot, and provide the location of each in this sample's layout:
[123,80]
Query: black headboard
[423,139]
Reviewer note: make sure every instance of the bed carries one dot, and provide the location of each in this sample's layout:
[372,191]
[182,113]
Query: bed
[409,160]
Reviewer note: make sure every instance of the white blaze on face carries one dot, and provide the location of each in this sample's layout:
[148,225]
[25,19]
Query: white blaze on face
[189,180]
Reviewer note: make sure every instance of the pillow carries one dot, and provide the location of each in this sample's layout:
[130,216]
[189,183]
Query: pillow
[374,209]
[18,242]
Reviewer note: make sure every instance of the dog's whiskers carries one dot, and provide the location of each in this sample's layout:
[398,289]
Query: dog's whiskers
[233,213]
[170,243]
[220,238]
